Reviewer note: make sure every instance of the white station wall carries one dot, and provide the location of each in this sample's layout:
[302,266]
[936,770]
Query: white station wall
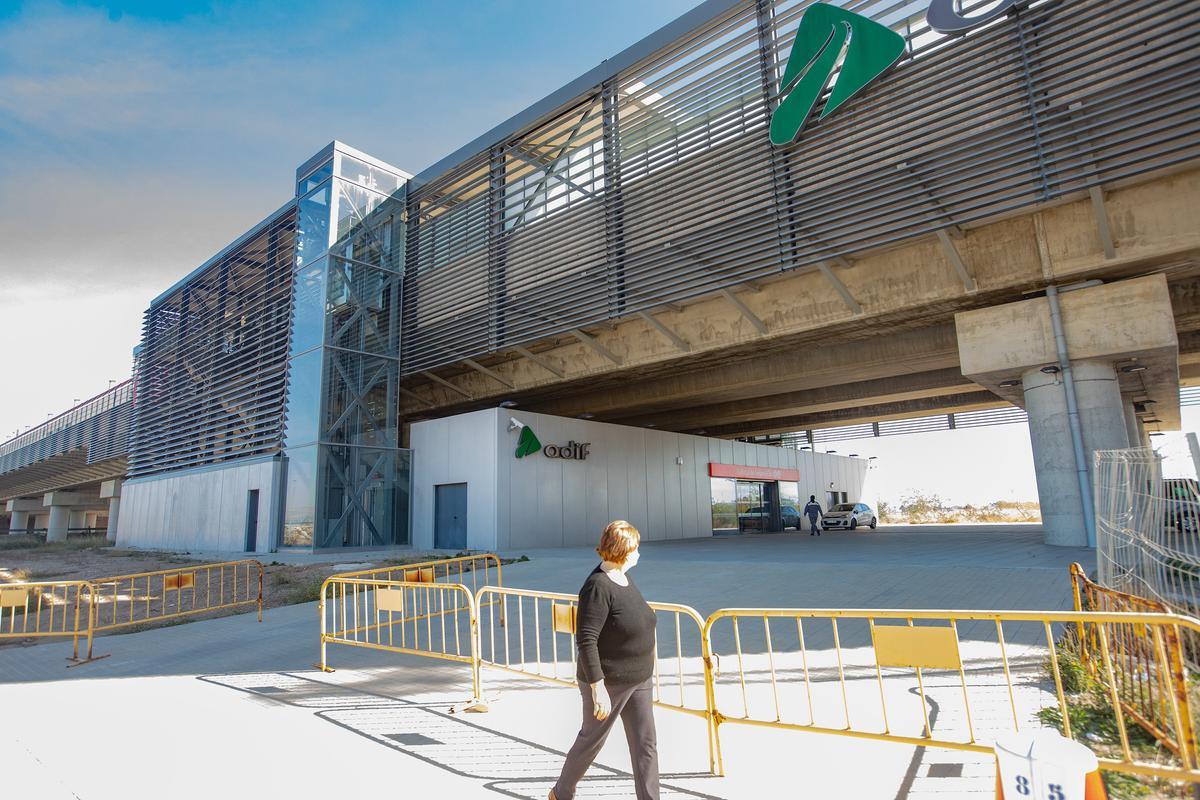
[630,473]
[199,509]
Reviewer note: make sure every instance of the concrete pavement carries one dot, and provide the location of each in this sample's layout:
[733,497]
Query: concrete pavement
[243,698]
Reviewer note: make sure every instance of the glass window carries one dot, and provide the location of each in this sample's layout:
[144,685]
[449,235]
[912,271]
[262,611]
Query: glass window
[300,512]
[724,511]
[312,236]
[308,316]
[314,178]
[368,176]
[303,399]
[789,494]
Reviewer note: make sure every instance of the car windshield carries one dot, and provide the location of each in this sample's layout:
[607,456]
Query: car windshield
[843,507]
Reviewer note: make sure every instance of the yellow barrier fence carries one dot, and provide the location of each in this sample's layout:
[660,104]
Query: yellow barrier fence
[875,674]
[476,571]
[48,608]
[125,600]
[436,620]
[1148,664]
[529,644]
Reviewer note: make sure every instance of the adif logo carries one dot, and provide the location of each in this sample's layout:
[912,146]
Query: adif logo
[825,33]
[528,444]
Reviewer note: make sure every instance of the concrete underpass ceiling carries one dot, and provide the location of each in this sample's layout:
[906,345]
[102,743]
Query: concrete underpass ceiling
[69,471]
[875,367]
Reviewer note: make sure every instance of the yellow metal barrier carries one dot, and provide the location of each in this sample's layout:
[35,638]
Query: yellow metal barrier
[124,600]
[871,674]
[422,618]
[48,608]
[475,571]
[529,645]
[1148,664]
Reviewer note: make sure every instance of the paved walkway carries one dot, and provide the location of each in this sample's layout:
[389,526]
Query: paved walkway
[211,708]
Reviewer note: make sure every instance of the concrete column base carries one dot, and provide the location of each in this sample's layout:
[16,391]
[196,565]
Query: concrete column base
[18,522]
[1102,420]
[114,507]
[56,528]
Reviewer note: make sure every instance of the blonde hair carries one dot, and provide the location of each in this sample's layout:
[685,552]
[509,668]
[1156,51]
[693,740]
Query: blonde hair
[618,541]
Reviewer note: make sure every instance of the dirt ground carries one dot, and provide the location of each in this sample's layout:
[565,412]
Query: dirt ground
[28,558]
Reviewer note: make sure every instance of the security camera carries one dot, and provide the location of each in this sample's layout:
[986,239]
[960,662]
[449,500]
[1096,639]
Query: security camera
[514,424]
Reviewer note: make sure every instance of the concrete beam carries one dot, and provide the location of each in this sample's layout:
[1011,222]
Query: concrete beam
[475,365]
[595,346]
[24,504]
[544,363]
[72,500]
[840,288]
[903,409]
[941,383]
[745,311]
[671,336]
[1127,323]
[452,387]
[770,372]
[956,261]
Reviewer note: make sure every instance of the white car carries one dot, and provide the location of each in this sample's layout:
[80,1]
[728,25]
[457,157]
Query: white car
[850,516]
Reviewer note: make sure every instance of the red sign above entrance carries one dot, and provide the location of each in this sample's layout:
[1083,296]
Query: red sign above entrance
[752,473]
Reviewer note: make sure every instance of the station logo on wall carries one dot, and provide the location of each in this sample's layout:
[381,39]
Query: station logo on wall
[528,444]
[870,49]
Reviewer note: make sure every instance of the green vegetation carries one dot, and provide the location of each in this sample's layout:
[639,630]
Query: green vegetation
[1094,723]
[929,509]
[296,588]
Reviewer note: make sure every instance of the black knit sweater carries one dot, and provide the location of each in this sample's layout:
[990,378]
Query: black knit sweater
[614,632]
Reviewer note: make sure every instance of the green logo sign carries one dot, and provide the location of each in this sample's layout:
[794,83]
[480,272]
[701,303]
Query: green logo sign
[527,442]
[826,32]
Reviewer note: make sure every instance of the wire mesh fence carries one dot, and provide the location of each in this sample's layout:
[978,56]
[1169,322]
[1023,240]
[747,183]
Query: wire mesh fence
[1148,533]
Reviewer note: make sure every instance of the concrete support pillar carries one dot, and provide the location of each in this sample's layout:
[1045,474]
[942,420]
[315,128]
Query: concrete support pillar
[77,519]
[20,510]
[112,491]
[56,528]
[1102,419]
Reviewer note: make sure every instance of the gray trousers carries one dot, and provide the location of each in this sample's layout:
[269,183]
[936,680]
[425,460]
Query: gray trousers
[634,704]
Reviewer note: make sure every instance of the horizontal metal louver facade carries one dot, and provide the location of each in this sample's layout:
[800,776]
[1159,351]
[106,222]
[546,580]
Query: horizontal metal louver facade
[99,426]
[660,184]
[212,370]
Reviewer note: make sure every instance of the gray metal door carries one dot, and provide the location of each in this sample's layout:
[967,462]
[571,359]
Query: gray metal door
[450,516]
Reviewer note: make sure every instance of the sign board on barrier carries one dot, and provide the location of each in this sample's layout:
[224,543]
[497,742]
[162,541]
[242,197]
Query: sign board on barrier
[14,598]
[423,575]
[389,600]
[564,618]
[928,647]
[182,580]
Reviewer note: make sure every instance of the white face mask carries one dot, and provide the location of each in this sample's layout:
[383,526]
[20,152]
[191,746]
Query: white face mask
[631,559]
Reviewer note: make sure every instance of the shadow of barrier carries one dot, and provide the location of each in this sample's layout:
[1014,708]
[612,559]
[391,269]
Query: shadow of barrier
[863,673]
[124,601]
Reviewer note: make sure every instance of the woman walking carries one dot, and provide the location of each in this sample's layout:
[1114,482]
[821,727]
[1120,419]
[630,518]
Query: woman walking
[614,636]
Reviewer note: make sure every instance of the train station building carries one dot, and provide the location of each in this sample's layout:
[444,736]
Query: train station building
[765,221]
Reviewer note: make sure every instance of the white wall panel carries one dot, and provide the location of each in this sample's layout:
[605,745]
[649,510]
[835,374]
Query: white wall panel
[630,473]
